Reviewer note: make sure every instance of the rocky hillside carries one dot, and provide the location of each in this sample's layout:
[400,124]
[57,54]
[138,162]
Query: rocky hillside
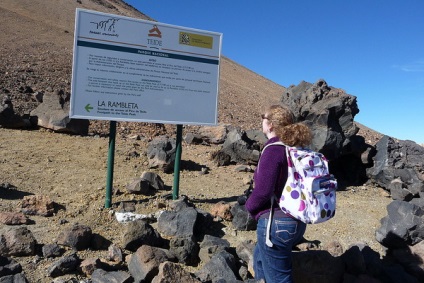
[36,57]
[68,172]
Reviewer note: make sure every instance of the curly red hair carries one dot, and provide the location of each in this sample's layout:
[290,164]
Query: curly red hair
[290,132]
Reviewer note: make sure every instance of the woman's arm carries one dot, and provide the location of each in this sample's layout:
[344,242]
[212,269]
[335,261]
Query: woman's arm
[265,180]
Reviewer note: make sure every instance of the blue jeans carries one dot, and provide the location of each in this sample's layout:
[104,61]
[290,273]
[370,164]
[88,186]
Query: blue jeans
[274,264]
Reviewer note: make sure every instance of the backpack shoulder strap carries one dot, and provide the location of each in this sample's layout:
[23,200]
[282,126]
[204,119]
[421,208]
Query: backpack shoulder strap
[271,212]
[274,143]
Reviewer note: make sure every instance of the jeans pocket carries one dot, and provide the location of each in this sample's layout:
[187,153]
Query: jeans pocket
[285,230]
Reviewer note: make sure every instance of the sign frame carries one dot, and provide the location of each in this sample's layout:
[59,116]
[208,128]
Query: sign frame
[128,69]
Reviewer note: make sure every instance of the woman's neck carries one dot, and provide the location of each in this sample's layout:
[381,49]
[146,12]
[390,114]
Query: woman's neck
[271,135]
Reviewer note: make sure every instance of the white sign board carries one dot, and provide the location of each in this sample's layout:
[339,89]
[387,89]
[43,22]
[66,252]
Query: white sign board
[127,69]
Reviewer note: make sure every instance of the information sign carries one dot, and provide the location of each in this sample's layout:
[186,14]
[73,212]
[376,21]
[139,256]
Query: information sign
[127,69]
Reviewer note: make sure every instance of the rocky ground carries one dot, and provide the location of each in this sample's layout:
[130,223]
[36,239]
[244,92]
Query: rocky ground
[71,170]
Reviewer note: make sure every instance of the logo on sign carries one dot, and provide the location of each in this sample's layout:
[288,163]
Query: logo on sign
[106,28]
[154,32]
[108,25]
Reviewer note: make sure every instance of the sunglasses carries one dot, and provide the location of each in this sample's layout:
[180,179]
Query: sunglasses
[264,117]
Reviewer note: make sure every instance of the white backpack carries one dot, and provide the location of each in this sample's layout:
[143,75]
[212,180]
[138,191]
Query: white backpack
[309,193]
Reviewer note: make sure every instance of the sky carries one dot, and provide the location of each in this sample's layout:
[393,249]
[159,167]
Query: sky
[372,49]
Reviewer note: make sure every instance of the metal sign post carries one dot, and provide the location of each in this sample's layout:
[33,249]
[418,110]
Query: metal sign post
[133,70]
[110,163]
[176,187]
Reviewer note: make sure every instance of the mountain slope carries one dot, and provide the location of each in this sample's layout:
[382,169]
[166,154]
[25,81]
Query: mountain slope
[36,55]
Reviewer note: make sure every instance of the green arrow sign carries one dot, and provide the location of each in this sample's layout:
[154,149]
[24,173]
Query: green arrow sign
[88,107]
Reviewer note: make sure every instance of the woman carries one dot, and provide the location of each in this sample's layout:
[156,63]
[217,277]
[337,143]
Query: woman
[274,264]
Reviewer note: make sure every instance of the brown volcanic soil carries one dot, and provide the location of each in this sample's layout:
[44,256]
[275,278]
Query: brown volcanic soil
[71,170]
[36,52]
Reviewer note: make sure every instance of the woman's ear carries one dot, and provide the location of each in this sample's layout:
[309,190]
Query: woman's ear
[270,127]
[269,130]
